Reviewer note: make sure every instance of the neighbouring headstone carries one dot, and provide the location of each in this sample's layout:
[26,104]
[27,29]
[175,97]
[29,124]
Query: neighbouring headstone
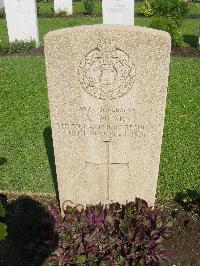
[1,4]
[119,12]
[63,6]
[21,17]
[107,89]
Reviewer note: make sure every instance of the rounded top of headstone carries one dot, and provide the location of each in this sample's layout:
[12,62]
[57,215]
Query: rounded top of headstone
[136,29]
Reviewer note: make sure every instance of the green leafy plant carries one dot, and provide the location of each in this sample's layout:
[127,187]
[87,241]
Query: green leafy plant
[169,15]
[130,234]
[175,9]
[89,6]
[170,26]
[145,9]
[21,46]
[3,227]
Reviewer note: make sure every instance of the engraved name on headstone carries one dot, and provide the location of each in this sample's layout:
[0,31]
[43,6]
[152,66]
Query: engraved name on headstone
[119,12]
[63,6]
[21,17]
[107,90]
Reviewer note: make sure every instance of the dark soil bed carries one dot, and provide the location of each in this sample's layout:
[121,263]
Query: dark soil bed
[176,51]
[35,51]
[81,15]
[185,52]
[78,15]
[23,245]
[54,15]
[184,245]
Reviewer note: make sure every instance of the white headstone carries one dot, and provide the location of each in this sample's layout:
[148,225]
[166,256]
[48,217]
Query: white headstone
[63,5]
[21,16]
[119,12]
[107,93]
[1,3]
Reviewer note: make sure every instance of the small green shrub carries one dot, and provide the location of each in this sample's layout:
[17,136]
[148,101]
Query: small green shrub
[3,227]
[173,9]
[145,9]
[17,46]
[89,6]
[170,26]
[169,15]
[21,46]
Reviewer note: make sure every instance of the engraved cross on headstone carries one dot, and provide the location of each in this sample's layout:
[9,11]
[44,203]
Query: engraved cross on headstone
[108,163]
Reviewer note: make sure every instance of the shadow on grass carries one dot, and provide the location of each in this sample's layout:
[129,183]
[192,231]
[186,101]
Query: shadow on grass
[192,40]
[47,134]
[31,239]
[189,200]
[3,160]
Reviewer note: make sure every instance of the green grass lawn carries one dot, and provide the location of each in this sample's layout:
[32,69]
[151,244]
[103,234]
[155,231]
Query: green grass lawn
[46,8]
[194,9]
[190,27]
[24,131]
[78,7]
[180,158]
[24,116]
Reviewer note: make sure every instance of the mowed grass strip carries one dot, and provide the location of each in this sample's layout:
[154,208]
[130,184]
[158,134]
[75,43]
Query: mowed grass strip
[190,27]
[24,116]
[180,158]
[25,124]
[78,7]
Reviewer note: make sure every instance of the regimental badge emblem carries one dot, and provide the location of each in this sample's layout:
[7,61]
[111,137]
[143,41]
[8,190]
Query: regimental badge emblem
[107,72]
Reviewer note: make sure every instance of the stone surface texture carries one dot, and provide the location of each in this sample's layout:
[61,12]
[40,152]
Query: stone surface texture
[107,89]
[21,17]
[63,5]
[120,12]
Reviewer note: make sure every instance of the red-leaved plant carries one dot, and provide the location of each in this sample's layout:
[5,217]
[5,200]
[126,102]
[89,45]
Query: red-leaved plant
[130,234]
